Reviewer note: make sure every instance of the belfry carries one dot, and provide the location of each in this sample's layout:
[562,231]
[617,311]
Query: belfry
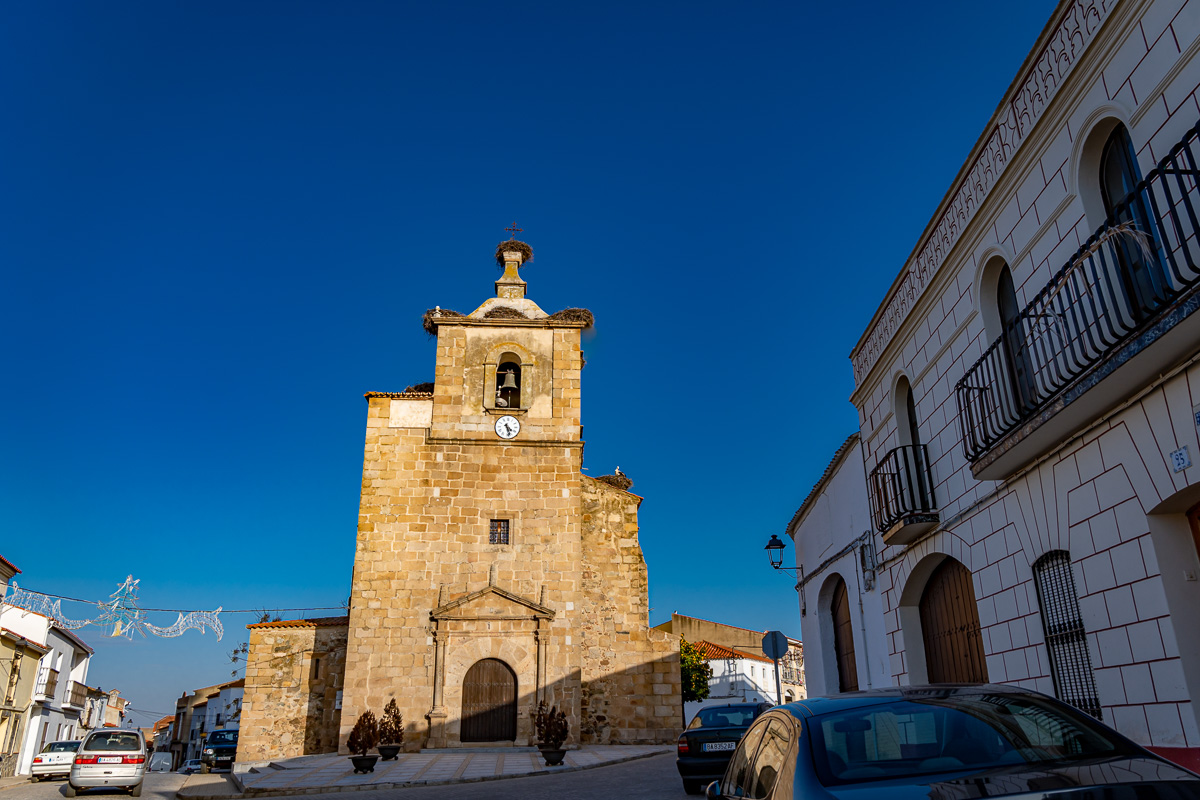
[490,574]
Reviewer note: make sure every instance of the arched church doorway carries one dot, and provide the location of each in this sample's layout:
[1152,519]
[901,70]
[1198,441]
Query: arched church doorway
[950,626]
[489,705]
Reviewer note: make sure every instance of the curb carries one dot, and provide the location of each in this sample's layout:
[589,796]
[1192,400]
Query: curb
[365,787]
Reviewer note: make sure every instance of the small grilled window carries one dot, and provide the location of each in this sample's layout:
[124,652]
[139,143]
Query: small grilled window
[1066,640]
[498,532]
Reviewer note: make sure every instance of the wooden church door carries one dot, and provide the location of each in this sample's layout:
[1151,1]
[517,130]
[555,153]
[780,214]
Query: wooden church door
[950,624]
[489,702]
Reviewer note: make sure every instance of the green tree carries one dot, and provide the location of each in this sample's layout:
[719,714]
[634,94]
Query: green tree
[694,671]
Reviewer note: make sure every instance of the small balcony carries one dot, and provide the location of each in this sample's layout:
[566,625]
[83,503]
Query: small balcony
[77,697]
[902,502]
[46,686]
[1117,315]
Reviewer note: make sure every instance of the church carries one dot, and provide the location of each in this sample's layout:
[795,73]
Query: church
[490,573]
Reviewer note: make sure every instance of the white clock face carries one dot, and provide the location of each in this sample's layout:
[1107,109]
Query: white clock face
[507,427]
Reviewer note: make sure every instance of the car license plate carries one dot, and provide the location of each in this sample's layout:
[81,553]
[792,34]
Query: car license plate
[108,760]
[713,747]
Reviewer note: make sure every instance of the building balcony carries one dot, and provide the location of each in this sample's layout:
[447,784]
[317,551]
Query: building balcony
[46,686]
[77,697]
[1117,315]
[901,491]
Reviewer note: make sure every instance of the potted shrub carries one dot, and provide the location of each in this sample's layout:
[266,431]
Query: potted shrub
[391,731]
[363,737]
[551,733]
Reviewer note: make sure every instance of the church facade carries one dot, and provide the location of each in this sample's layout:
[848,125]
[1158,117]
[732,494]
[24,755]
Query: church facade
[490,574]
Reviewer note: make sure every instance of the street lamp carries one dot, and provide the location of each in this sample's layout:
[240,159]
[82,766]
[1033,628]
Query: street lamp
[774,550]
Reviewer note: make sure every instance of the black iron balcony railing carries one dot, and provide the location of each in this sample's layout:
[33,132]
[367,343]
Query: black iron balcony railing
[47,682]
[78,695]
[902,493]
[1115,288]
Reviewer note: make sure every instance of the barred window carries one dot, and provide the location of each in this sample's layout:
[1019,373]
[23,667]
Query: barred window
[1066,640]
[498,533]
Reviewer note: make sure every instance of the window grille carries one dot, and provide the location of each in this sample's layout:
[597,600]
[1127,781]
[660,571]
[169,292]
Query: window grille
[1066,639]
[498,533]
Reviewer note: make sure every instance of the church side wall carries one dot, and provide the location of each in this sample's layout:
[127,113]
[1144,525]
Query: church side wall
[631,683]
[289,704]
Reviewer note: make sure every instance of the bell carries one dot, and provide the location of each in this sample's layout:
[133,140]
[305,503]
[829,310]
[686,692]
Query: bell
[510,380]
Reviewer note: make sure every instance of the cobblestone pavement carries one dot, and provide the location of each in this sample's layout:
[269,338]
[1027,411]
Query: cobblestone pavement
[158,786]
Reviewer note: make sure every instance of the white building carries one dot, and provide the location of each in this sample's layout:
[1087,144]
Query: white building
[1028,394]
[60,693]
[737,677]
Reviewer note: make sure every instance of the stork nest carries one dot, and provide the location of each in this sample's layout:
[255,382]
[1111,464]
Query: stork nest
[575,315]
[513,244]
[429,321]
[620,481]
[420,388]
[504,312]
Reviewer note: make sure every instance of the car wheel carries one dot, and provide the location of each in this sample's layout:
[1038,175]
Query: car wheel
[136,791]
[693,787]
[69,789]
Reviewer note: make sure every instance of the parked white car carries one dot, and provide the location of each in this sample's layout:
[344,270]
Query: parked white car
[112,758]
[54,761]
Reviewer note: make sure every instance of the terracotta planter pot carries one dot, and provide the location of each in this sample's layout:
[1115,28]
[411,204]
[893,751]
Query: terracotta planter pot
[389,752]
[363,763]
[553,756]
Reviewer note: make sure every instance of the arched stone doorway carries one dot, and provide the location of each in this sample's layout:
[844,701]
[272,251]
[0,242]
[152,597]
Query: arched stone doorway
[489,702]
[950,626]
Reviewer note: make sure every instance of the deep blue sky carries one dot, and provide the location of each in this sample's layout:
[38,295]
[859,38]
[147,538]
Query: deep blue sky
[220,224]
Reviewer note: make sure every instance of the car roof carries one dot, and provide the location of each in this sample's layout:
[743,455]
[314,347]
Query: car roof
[732,705]
[814,706]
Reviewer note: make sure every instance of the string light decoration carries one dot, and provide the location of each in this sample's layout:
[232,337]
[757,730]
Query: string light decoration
[121,614]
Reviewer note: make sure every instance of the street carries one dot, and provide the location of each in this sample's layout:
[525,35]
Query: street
[651,778]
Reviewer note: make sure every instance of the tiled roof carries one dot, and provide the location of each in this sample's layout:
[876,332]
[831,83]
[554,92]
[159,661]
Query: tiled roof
[712,651]
[10,565]
[316,622]
[820,484]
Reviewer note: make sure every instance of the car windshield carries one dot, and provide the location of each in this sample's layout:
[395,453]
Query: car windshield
[222,737]
[61,747]
[109,740]
[953,732]
[723,717]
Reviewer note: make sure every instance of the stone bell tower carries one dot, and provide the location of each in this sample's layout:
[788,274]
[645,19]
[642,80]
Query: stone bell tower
[490,574]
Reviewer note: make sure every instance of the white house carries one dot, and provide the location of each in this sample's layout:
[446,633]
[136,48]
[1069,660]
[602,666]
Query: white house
[737,677]
[60,692]
[1029,401]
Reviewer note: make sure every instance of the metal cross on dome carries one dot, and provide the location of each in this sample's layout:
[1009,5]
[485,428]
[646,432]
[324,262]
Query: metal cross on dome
[514,230]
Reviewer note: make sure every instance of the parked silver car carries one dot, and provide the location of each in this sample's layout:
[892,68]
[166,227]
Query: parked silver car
[109,758]
[54,761]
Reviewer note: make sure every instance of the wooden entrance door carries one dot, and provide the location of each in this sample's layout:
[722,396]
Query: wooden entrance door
[489,702]
[950,624]
[843,638]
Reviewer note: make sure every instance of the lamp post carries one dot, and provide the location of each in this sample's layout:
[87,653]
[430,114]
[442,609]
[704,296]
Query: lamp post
[775,548]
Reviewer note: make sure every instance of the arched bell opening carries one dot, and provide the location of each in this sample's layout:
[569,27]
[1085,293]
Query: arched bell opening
[508,382]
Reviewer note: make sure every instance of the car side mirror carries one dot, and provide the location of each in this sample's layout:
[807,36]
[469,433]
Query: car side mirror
[713,791]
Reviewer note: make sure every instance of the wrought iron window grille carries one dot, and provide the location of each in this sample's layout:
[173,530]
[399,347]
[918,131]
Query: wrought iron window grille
[1066,639]
[498,532]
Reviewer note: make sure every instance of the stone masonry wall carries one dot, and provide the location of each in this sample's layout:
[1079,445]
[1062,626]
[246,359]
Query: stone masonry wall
[293,676]
[631,682]
[427,498]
